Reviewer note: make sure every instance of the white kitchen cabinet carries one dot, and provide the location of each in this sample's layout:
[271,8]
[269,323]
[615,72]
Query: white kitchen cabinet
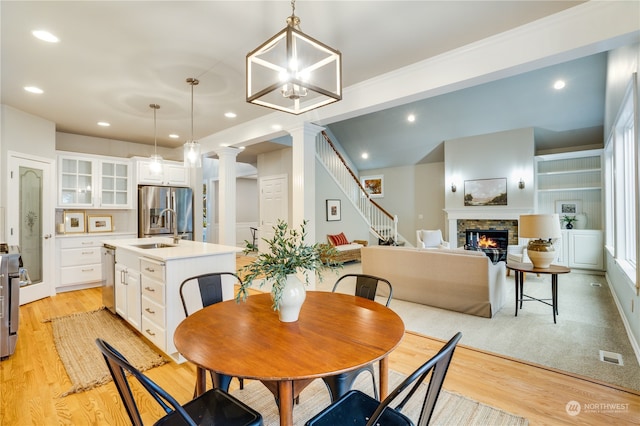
[80,263]
[581,248]
[153,301]
[79,260]
[173,174]
[93,181]
[127,287]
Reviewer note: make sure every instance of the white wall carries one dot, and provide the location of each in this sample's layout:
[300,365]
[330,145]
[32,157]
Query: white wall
[507,154]
[351,223]
[111,147]
[24,133]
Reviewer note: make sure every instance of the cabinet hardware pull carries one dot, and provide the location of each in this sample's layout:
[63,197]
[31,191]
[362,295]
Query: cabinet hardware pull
[87,252]
[150,289]
[87,270]
[150,333]
[150,311]
[86,243]
[150,269]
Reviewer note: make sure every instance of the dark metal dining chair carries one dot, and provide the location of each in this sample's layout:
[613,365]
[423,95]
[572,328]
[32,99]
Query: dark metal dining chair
[209,288]
[358,408]
[365,286]
[214,407]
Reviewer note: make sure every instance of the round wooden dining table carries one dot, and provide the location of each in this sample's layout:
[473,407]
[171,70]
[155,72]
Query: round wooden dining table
[335,333]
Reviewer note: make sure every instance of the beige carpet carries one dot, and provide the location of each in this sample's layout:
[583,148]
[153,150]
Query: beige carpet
[451,408]
[75,336]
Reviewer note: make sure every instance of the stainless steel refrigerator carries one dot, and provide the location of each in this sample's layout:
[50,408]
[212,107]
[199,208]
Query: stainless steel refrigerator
[152,200]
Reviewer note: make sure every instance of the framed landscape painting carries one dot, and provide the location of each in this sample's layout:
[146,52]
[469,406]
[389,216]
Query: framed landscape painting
[485,192]
[373,185]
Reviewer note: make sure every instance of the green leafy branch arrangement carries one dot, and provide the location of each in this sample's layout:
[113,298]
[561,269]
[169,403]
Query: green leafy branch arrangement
[287,254]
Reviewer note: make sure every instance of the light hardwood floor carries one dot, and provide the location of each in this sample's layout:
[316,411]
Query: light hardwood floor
[33,377]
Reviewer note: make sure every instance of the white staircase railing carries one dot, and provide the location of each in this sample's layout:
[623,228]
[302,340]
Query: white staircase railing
[381,223]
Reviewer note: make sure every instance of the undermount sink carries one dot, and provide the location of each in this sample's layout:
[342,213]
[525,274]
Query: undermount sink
[153,245]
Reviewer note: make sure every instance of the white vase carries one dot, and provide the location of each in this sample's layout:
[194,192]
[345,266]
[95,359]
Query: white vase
[293,295]
[581,221]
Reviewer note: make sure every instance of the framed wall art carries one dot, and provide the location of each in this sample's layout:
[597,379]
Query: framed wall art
[333,210]
[373,185]
[485,192]
[74,222]
[568,208]
[100,223]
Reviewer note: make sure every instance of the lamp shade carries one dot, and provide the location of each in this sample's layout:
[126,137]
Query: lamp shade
[541,226]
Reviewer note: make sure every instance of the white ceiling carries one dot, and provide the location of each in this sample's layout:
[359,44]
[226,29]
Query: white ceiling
[115,58]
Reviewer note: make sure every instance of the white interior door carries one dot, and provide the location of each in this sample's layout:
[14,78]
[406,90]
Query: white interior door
[30,222]
[274,205]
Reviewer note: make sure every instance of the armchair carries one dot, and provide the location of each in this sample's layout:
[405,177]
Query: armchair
[428,238]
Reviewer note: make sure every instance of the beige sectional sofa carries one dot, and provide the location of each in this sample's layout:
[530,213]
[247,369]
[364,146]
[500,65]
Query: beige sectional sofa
[457,280]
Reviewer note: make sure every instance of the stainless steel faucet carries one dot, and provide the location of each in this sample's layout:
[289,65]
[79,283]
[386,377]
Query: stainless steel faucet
[176,238]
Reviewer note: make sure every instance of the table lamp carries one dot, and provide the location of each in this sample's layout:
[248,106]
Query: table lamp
[543,228]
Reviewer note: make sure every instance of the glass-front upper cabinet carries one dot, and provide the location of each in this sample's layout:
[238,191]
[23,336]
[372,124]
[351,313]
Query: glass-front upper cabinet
[115,184]
[94,182]
[76,182]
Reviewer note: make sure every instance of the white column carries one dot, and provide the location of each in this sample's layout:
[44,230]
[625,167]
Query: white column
[304,181]
[227,195]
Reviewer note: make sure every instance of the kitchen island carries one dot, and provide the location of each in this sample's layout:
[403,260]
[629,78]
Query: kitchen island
[148,274]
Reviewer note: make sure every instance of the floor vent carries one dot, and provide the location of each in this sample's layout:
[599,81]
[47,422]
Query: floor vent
[611,357]
[596,285]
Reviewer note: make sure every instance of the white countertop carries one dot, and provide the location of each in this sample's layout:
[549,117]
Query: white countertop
[185,249]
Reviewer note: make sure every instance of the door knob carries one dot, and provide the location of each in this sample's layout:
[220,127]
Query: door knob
[47,236]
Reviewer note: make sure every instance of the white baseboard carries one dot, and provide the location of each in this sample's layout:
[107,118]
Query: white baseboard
[627,327]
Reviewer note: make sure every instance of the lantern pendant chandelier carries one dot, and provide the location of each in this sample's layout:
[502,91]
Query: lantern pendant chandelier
[293,72]
[192,158]
[155,166]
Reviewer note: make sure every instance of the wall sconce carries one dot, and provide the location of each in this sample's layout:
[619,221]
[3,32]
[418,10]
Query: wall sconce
[521,183]
[453,187]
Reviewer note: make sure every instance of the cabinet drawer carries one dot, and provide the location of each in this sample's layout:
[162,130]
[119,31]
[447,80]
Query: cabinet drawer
[153,311]
[153,332]
[153,289]
[80,256]
[66,243]
[80,274]
[152,269]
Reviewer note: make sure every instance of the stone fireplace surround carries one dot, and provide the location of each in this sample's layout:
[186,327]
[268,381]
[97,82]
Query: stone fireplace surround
[459,220]
[489,225]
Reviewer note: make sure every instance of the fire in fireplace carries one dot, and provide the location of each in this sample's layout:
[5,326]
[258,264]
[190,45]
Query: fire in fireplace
[493,242]
[487,238]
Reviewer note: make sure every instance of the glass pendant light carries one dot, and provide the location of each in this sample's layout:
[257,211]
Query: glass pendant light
[192,156]
[155,166]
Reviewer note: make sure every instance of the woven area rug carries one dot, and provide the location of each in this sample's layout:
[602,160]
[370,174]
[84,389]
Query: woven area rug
[451,408]
[75,335]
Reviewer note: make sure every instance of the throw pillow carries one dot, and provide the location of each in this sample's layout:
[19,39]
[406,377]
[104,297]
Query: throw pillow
[340,239]
[332,240]
[431,238]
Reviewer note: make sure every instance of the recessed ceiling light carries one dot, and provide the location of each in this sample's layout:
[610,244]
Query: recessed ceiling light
[241,148]
[411,118]
[103,124]
[45,36]
[33,89]
[276,127]
[230,114]
[365,155]
[174,136]
[559,84]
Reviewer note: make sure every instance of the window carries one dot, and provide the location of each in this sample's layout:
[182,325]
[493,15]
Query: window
[622,183]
